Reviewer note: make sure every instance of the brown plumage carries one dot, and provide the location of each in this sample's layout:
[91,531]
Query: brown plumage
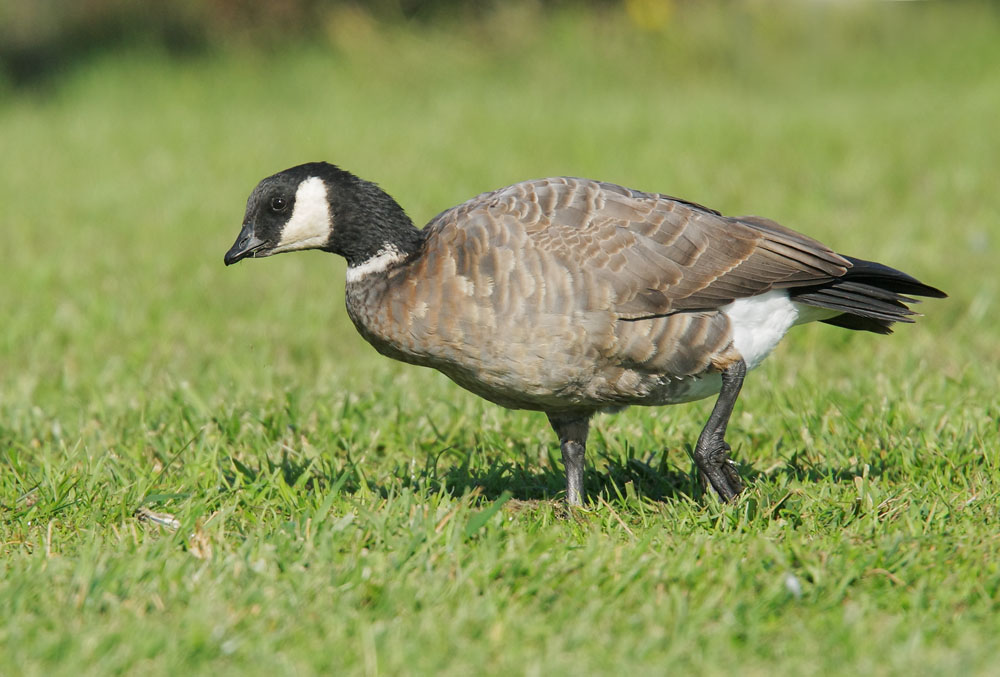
[571,296]
[582,284]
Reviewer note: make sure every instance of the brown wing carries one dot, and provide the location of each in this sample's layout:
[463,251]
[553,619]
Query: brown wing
[655,254]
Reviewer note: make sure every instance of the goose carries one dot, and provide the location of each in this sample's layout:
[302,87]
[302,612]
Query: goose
[570,297]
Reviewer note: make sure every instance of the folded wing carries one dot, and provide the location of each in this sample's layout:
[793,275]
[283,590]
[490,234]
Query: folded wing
[656,255]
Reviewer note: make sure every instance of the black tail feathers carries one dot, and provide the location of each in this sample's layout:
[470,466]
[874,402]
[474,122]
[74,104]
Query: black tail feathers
[870,296]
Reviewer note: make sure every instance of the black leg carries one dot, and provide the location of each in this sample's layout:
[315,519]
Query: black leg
[711,455]
[572,434]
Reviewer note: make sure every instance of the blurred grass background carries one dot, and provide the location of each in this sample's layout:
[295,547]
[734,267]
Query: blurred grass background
[324,492]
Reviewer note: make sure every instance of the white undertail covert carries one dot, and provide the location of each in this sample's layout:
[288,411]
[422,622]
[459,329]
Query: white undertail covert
[760,322]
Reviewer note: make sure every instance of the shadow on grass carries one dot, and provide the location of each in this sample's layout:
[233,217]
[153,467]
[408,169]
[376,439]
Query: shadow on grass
[609,478]
[612,480]
[800,469]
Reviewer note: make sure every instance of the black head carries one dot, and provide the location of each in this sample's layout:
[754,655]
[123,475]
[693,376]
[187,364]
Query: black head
[320,206]
[286,212]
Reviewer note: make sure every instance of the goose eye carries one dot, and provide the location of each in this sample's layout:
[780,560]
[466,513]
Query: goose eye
[278,204]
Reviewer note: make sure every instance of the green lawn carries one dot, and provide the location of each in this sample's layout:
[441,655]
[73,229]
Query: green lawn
[343,514]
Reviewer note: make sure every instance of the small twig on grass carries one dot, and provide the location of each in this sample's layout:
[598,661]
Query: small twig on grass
[475,493]
[615,515]
[48,540]
[888,574]
[163,519]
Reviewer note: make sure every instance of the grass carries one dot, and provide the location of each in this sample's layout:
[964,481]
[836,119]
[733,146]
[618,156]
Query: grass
[340,513]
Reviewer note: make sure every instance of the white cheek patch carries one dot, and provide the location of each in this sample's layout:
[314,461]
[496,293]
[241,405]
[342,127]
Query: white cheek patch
[310,224]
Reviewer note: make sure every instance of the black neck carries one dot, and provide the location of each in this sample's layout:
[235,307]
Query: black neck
[366,220]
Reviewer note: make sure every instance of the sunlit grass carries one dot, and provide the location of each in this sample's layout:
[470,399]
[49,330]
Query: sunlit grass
[331,502]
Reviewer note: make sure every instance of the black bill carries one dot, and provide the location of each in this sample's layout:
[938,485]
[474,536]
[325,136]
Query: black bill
[246,245]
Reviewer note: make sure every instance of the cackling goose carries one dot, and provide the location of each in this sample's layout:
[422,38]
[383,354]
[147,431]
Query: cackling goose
[570,296]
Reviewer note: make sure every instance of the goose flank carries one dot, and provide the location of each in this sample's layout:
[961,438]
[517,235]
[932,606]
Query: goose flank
[569,296]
